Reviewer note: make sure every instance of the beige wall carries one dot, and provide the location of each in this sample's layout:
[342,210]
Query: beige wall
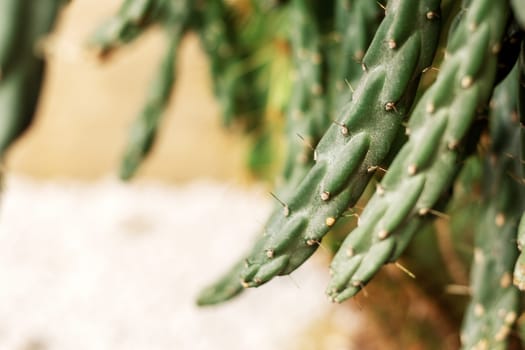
[87,107]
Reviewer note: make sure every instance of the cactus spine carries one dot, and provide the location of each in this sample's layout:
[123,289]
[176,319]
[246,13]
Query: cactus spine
[426,165]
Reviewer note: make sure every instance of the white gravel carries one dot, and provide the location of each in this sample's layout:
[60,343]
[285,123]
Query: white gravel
[113,266]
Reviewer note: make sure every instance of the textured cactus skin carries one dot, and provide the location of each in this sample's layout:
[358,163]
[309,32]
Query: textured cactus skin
[342,170]
[144,130]
[428,162]
[495,301]
[24,24]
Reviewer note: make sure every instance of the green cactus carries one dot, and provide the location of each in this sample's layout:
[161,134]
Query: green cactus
[144,130]
[494,306]
[427,164]
[133,17]
[23,27]
[355,146]
[306,118]
[338,84]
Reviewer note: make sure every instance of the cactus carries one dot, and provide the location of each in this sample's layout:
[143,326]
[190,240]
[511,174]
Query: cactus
[353,147]
[306,118]
[494,306]
[343,77]
[426,165]
[23,28]
[132,19]
[144,130]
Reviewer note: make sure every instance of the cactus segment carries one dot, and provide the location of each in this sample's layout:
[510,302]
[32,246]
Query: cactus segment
[133,17]
[432,155]
[21,66]
[144,130]
[494,307]
[305,117]
[380,123]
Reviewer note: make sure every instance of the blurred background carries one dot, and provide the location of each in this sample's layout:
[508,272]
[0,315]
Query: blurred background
[87,262]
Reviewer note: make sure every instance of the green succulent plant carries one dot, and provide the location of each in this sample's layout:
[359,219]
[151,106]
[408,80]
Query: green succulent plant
[405,95]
